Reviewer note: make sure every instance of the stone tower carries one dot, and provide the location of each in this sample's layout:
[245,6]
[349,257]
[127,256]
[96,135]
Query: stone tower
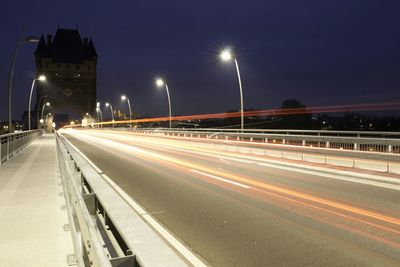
[69,64]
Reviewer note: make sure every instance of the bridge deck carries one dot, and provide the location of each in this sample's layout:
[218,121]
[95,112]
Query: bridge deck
[32,220]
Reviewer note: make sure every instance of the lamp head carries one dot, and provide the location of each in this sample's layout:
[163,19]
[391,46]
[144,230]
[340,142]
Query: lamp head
[42,78]
[226,55]
[107,104]
[123,97]
[41,121]
[31,39]
[48,104]
[159,82]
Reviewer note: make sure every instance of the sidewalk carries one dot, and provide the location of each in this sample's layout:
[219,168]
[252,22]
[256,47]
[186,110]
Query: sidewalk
[31,217]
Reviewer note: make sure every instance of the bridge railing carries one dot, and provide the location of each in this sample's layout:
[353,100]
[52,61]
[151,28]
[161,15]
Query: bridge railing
[11,144]
[384,142]
[105,228]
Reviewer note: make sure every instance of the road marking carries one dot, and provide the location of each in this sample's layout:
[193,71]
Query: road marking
[333,176]
[221,179]
[181,248]
[239,160]
[98,170]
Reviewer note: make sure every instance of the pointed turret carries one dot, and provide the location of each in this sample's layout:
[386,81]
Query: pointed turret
[41,48]
[91,51]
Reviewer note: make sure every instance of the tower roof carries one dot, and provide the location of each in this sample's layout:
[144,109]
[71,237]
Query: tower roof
[90,50]
[66,47]
[41,48]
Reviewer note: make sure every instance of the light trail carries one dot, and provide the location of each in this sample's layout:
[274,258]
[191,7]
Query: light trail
[375,226]
[260,113]
[176,144]
[245,180]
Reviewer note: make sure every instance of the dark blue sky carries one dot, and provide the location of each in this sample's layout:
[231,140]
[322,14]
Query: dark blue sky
[320,52]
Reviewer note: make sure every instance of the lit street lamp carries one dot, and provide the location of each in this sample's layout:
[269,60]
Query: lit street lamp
[41,78]
[160,83]
[112,112]
[99,114]
[123,98]
[29,39]
[226,55]
[44,105]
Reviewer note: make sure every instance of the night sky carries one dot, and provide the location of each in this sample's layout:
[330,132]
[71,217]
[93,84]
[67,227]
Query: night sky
[319,52]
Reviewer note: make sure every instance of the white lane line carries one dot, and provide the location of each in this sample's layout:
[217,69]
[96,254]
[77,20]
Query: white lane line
[221,179]
[182,249]
[124,195]
[239,160]
[336,177]
[174,242]
[98,170]
[224,161]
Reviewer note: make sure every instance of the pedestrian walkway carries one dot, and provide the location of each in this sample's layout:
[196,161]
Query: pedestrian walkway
[31,216]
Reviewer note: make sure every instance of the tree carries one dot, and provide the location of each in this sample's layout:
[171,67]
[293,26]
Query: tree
[296,115]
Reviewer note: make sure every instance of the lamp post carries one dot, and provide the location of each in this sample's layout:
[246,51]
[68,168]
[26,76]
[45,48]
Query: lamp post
[41,78]
[29,39]
[112,112]
[44,105]
[160,83]
[99,114]
[123,98]
[226,55]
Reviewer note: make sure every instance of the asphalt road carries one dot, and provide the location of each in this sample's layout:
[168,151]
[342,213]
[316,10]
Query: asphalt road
[239,211]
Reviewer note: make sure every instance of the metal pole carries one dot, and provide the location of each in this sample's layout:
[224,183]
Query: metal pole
[112,115]
[241,95]
[38,109]
[10,82]
[41,117]
[169,104]
[101,117]
[130,112]
[30,101]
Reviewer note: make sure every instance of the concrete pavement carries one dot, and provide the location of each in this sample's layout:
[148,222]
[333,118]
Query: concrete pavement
[32,219]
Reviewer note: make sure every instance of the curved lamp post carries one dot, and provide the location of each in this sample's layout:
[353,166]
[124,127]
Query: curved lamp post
[226,55]
[29,39]
[123,98]
[44,105]
[160,83]
[112,112]
[41,78]
[99,114]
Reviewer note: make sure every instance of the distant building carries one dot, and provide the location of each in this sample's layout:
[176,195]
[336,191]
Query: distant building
[69,64]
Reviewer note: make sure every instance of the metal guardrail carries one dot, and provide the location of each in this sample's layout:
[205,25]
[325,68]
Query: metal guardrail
[11,144]
[384,142]
[106,230]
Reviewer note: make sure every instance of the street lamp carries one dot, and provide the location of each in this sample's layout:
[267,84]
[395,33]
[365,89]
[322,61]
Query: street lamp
[29,39]
[41,78]
[123,98]
[160,83]
[226,55]
[112,112]
[44,105]
[99,113]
